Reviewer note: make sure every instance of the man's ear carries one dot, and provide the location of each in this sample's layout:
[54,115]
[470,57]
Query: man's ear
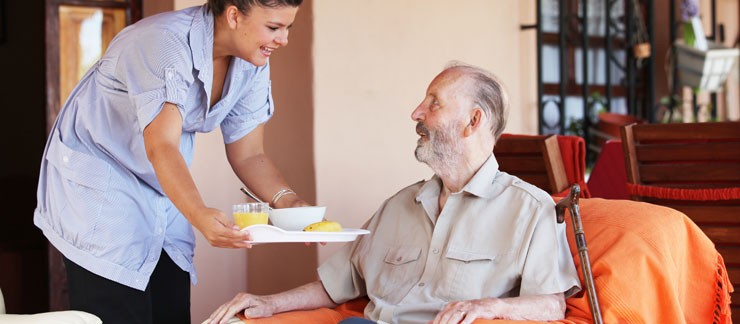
[232,16]
[476,119]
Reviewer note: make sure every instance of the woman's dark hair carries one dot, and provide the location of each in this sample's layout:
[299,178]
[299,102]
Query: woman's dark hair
[217,7]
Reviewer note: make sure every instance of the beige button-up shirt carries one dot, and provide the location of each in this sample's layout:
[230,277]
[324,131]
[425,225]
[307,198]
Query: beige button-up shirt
[498,237]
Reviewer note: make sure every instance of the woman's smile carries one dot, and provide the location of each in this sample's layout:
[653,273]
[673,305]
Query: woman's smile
[266,51]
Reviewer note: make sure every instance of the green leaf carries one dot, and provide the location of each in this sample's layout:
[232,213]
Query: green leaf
[688,34]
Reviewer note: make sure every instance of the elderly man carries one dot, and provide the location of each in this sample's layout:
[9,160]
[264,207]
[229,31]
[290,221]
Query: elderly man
[471,242]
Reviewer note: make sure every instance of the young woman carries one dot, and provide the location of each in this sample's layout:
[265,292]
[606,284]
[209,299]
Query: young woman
[115,195]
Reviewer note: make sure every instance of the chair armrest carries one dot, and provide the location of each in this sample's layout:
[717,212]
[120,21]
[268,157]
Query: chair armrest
[63,317]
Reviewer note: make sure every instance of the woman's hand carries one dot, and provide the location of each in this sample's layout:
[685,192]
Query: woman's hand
[253,306]
[290,201]
[218,229]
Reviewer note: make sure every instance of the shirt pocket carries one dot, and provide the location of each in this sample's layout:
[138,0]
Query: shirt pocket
[467,272]
[467,257]
[402,255]
[400,270]
[81,184]
[80,168]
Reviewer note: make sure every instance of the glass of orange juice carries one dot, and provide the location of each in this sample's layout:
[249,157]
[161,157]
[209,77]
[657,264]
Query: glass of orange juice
[250,214]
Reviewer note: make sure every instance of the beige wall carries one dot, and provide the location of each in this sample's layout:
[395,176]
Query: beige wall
[373,62]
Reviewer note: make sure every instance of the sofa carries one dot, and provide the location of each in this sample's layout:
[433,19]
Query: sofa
[63,317]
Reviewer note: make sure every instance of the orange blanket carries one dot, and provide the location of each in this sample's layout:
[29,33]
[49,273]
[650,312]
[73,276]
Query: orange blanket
[651,264]
[318,316]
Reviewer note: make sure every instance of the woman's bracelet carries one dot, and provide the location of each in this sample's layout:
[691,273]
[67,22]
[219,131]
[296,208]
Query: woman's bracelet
[279,195]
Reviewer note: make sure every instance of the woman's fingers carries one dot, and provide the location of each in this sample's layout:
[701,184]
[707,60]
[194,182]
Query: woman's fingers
[309,243]
[225,234]
[233,237]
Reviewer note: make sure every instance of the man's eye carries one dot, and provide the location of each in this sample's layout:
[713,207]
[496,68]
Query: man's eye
[272,28]
[435,102]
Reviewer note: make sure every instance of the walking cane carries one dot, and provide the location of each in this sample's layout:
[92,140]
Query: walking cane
[571,202]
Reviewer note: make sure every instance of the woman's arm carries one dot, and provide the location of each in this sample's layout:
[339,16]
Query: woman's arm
[162,142]
[250,163]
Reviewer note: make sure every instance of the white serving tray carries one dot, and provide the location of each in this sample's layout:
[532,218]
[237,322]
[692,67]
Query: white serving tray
[262,233]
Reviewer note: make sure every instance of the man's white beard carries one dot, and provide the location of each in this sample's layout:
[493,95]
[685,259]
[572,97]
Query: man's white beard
[443,151]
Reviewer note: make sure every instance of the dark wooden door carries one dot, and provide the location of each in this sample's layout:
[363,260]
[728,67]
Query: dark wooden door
[22,137]
[71,27]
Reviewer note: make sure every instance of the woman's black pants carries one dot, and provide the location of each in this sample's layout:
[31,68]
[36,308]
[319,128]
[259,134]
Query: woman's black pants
[165,300]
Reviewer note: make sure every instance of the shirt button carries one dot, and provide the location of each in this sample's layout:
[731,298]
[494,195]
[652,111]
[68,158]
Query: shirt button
[159,230]
[399,259]
[435,250]
[65,159]
[421,284]
[169,74]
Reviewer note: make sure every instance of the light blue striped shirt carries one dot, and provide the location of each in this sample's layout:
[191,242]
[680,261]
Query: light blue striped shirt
[99,201]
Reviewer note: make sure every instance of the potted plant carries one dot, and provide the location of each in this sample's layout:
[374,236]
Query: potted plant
[701,64]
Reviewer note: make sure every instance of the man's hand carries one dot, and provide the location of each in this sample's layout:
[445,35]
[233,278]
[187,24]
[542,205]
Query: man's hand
[309,296]
[219,230]
[253,306]
[532,308]
[467,311]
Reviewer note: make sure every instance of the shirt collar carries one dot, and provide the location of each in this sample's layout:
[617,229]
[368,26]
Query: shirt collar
[430,189]
[428,197]
[481,184]
[201,44]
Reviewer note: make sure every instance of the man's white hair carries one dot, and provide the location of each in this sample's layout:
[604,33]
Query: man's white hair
[488,94]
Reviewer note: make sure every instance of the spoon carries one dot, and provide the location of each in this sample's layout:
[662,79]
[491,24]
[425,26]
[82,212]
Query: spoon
[253,196]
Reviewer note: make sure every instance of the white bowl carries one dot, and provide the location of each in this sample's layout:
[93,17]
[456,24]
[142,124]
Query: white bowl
[295,219]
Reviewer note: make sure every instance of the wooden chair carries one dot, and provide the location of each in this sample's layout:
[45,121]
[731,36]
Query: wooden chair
[693,168]
[534,159]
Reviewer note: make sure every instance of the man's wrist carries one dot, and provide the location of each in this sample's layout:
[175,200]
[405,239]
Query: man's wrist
[493,305]
[273,304]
